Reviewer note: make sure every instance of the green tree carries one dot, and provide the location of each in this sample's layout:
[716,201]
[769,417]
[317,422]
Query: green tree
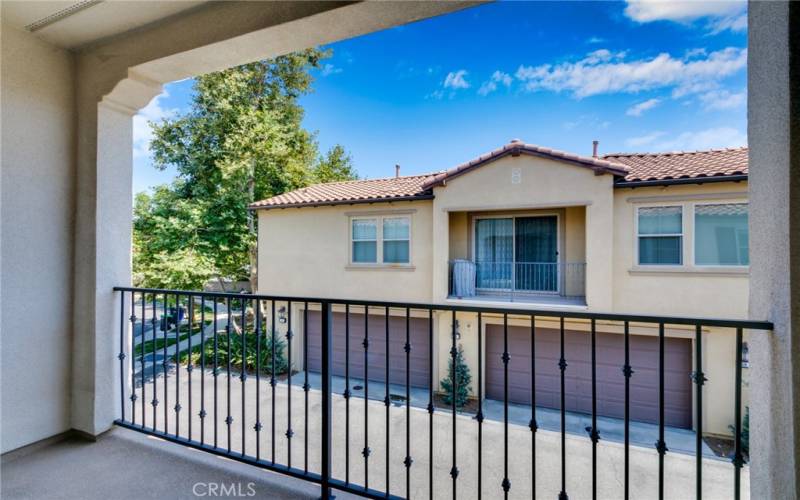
[458,371]
[336,165]
[240,141]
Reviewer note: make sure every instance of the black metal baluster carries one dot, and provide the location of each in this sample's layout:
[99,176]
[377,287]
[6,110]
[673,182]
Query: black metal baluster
[562,365]
[152,353]
[738,457]
[366,451]
[699,379]
[165,366]
[141,359]
[454,385]
[346,394]
[532,424]
[133,358]
[594,435]
[257,427]
[387,401]
[327,360]
[306,387]
[408,461]
[189,359]
[289,431]
[272,381]
[229,417]
[121,355]
[430,403]
[627,371]
[479,416]
[216,374]
[506,484]
[243,374]
[202,413]
[661,446]
[177,356]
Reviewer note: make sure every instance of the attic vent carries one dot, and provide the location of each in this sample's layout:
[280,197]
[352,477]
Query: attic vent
[61,14]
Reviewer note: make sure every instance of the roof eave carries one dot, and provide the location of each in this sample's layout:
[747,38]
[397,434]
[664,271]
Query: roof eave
[684,180]
[311,204]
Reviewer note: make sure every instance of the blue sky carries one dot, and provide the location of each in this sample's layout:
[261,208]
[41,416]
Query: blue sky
[644,76]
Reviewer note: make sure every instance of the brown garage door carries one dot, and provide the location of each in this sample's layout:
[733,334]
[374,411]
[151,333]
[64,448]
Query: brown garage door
[418,335]
[578,376]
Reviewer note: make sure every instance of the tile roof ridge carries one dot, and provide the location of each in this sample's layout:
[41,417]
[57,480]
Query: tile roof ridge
[674,153]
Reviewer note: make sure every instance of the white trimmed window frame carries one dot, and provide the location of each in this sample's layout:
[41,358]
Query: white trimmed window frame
[681,235]
[379,241]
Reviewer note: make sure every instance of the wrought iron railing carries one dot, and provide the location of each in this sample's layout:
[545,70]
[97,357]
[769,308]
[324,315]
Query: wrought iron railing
[473,278]
[170,340]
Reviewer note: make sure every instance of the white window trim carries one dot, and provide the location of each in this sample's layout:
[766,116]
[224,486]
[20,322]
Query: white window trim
[636,236]
[694,233]
[379,263]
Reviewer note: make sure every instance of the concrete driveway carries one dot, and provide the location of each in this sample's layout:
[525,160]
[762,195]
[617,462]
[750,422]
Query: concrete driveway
[679,467]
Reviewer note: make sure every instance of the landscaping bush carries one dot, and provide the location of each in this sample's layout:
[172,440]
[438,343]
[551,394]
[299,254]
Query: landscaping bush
[745,430]
[236,355]
[462,377]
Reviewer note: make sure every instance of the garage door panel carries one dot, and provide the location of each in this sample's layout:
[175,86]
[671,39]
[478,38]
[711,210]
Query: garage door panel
[610,356]
[419,373]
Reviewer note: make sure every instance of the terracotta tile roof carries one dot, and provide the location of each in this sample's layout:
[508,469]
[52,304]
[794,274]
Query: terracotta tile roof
[517,147]
[630,167]
[403,188]
[645,167]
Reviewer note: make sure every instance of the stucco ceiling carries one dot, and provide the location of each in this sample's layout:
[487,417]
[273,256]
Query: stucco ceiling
[74,24]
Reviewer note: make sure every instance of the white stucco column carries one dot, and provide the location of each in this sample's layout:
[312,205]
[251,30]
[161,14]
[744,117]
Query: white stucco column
[774,137]
[600,251]
[103,251]
[441,251]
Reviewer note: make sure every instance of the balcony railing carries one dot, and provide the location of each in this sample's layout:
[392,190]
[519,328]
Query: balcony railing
[516,280]
[220,378]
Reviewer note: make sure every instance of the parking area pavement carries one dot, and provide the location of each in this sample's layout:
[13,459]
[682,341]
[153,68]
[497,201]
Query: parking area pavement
[610,429]
[251,402]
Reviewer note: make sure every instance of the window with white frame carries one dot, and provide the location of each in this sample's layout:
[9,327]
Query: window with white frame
[364,236]
[660,235]
[396,240]
[721,235]
[384,240]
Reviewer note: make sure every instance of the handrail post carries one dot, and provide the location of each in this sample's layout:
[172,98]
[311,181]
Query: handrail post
[327,354]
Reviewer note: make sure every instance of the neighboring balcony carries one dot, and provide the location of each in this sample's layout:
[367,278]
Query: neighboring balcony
[542,283]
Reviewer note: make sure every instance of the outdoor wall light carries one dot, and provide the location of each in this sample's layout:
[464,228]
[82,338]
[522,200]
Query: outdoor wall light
[282,314]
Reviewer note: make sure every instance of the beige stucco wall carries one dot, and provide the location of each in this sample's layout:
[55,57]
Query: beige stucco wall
[543,184]
[37,193]
[688,290]
[305,252]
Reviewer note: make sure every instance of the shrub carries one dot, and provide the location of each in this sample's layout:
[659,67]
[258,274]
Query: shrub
[233,344]
[462,377]
[745,430]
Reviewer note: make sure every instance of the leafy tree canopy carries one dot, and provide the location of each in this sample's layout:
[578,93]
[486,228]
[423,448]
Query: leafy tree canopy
[240,141]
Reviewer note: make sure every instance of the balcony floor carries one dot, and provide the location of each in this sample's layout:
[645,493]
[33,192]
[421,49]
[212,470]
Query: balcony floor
[124,464]
[526,299]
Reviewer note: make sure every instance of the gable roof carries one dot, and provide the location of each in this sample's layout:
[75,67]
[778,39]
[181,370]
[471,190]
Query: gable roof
[517,148]
[674,167]
[631,169]
[406,188]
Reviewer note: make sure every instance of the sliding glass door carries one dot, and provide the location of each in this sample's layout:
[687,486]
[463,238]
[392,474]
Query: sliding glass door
[518,253]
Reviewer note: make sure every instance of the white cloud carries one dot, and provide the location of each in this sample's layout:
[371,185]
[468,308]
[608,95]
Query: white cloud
[330,69]
[498,77]
[602,72]
[595,39]
[643,140]
[723,99]
[719,137]
[456,80]
[719,15]
[587,122]
[142,132]
[638,109]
